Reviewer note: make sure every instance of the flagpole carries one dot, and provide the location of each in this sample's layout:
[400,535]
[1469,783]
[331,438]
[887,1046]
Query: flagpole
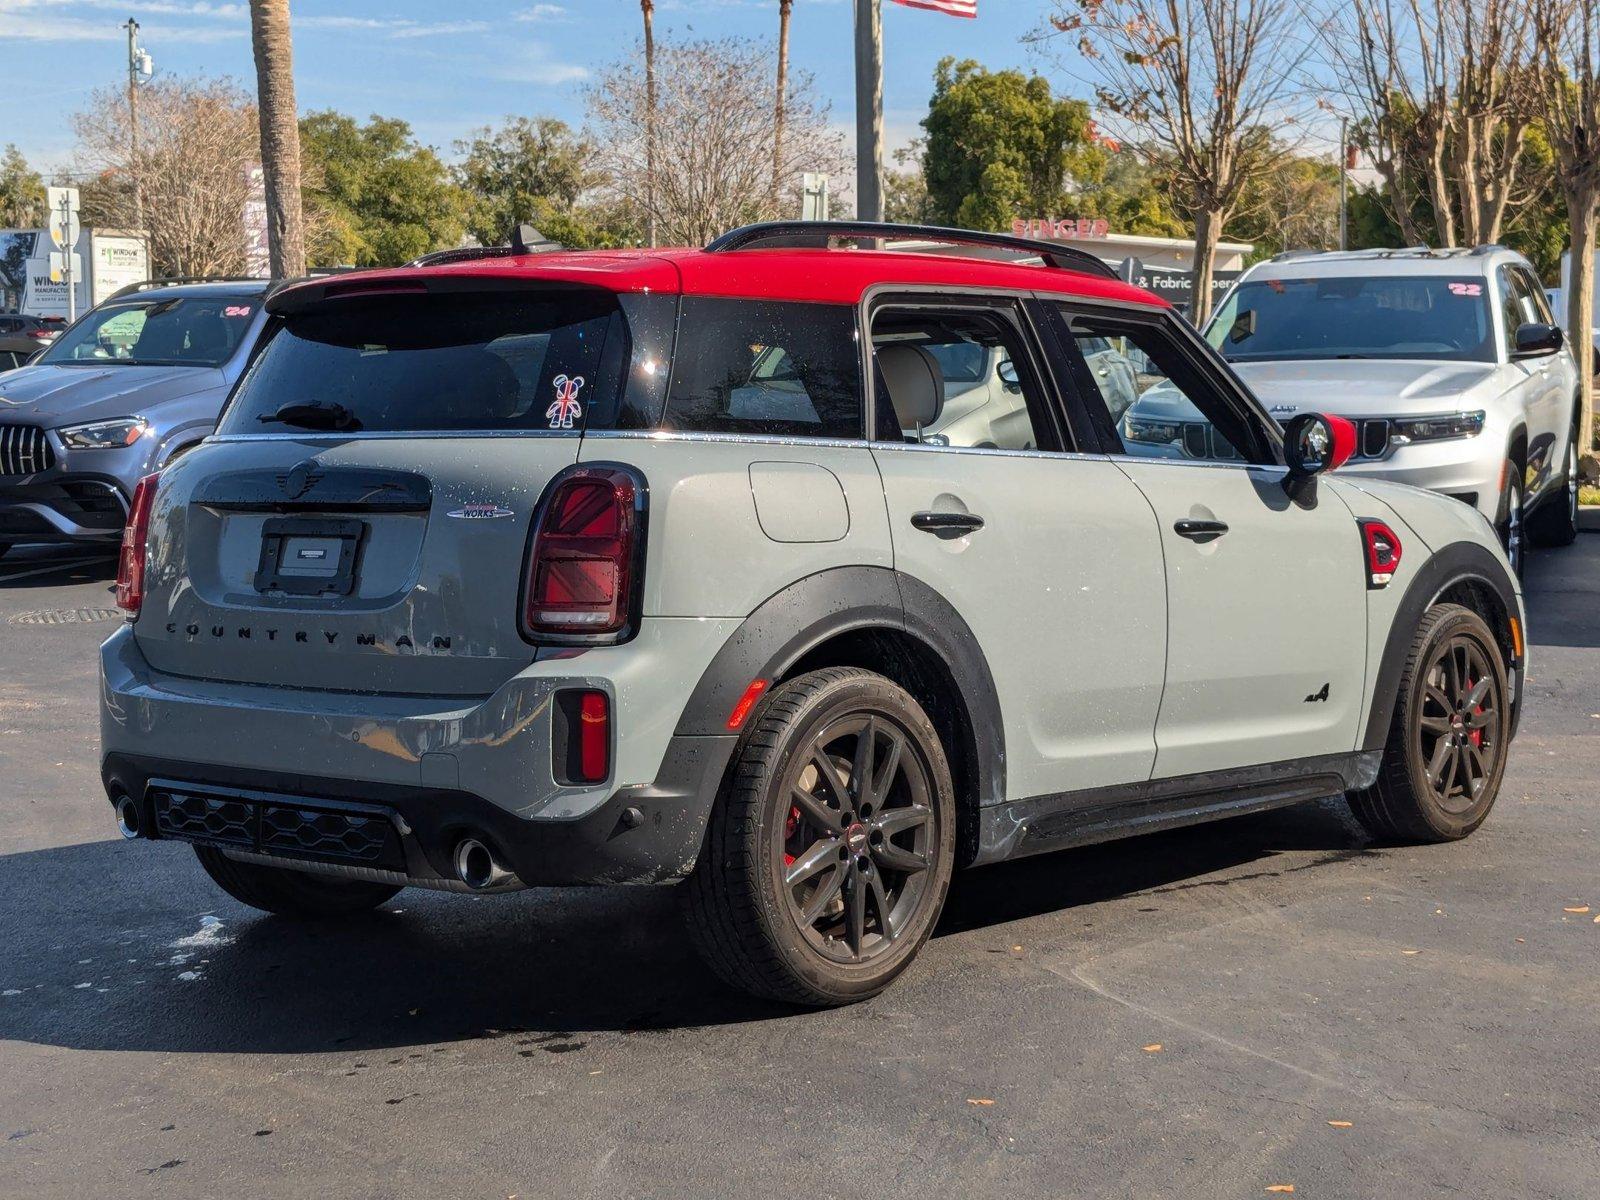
[869,110]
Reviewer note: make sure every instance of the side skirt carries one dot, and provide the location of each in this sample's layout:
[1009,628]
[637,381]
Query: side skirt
[1038,824]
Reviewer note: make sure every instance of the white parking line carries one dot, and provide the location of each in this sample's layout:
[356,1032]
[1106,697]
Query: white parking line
[60,566]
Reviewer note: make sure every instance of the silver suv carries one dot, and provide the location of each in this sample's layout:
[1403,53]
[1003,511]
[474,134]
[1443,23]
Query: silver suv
[134,383]
[635,567]
[1449,362]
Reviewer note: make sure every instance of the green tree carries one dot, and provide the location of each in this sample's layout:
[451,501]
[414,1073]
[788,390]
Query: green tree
[1132,195]
[1000,146]
[530,169]
[375,195]
[21,192]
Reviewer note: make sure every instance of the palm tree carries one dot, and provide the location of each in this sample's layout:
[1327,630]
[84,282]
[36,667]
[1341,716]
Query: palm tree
[784,7]
[648,9]
[280,135]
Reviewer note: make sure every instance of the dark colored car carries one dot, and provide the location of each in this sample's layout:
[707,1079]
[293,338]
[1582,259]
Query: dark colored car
[16,350]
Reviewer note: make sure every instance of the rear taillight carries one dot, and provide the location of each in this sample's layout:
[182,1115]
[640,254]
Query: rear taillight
[1382,547]
[135,543]
[584,566]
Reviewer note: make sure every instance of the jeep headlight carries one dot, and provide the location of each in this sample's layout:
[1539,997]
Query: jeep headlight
[105,435]
[1160,432]
[1437,429]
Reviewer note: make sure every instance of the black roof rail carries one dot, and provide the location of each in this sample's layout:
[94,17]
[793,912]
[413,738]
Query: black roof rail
[150,285]
[525,239]
[817,234]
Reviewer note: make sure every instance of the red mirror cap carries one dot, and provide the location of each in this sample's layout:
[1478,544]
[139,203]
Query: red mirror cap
[1344,441]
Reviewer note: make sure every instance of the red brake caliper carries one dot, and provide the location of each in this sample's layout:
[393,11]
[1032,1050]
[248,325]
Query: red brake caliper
[1477,734]
[789,828]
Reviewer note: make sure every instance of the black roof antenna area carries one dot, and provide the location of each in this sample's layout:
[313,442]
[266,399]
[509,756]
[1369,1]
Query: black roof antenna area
[524,239]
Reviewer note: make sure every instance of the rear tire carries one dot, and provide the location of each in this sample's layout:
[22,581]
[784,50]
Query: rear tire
[1446,751]
[815,887]
[290,893]
[1555,522]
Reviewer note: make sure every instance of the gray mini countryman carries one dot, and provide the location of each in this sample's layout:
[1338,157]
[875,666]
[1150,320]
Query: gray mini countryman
[635,567]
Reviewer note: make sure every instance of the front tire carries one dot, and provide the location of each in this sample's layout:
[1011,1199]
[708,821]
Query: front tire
[829,853]
[1513,535]
[1555,522]
[1446,752]
[290,893]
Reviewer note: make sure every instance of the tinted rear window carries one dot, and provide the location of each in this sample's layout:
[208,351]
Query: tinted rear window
[449,361]
[766,367]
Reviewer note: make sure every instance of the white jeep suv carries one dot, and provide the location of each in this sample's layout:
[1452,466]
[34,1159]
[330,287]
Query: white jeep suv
[1448,361]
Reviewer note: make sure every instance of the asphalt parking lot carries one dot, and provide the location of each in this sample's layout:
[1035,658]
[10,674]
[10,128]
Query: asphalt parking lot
[1265,1003]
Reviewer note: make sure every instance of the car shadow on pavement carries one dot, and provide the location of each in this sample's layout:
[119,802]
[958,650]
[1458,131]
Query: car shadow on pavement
[32,567]
[126,946]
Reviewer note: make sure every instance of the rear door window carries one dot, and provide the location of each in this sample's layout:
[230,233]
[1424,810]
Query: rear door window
[442,362]
[766,367]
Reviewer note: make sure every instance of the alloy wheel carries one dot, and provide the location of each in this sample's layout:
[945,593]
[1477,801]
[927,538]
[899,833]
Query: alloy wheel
[856,848]
[1457,734]
[1511,534]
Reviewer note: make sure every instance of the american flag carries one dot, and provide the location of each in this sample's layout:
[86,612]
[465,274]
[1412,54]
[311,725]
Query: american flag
[953,8]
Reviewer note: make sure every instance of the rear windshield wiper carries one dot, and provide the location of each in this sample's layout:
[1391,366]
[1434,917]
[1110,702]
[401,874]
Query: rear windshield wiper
[313,416]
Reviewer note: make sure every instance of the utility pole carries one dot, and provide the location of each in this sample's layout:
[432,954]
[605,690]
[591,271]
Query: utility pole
[869,110]
[138,69]
[1344,183]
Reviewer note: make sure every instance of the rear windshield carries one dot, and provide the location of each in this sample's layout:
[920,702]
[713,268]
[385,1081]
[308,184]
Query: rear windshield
[448,361]
[1418,316]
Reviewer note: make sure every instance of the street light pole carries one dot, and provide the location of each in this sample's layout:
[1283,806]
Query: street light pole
[133,125]
[869,110]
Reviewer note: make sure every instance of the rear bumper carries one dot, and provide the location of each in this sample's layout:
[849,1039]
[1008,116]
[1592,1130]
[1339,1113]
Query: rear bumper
[643,834]
[434,769]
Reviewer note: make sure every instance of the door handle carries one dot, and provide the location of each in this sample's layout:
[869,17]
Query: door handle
[946,523]
[1200,531]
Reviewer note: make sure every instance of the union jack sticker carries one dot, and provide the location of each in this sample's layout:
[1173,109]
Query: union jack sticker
[566,409]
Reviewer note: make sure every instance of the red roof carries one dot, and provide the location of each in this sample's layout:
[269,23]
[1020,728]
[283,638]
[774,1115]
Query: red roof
[820,276]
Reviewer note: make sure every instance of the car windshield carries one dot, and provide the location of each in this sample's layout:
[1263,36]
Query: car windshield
[1397,317]
[182,331]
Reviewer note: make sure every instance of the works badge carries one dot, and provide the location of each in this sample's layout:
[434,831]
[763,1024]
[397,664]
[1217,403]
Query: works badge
[480,512]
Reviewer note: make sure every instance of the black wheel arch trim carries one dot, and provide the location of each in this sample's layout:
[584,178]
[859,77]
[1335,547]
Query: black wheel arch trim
[818,608]
[1459,562]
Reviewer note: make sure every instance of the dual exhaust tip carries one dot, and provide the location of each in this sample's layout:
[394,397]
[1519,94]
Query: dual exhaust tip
[130,821]
[477,867]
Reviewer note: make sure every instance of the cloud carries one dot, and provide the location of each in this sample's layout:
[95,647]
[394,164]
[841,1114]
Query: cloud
[541,12]
[396,27]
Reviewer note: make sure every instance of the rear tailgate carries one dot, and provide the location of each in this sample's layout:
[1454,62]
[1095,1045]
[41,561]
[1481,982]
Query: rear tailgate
[244,586]
[362,519]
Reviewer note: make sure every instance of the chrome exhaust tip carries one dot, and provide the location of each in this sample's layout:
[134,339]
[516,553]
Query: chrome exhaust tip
[476,866]
[128,817]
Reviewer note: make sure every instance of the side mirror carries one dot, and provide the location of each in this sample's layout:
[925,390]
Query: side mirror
[1314,443]
[1007,370]
[1536,340]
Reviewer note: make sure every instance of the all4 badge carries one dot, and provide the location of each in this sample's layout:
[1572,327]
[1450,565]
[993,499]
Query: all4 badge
[566,409]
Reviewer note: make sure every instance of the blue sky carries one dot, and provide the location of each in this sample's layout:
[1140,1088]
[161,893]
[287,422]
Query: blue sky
[449,68]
